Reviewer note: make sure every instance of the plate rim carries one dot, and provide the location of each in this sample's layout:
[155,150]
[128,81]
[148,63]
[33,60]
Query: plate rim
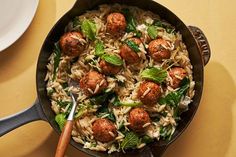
[21,31]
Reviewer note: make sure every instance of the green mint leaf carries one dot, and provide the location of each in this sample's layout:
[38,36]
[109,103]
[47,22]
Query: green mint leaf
[173,98]
[130,141]
[112,59]
[133,45]
[99,48]
[89,29]
[61,120]
[154,74]
[152,32]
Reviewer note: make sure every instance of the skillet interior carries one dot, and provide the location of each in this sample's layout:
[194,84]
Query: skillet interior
[196,60]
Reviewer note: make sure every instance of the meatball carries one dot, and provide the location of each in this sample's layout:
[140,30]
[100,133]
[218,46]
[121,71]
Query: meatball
[93,83]
[104,130]
[128,54]
[149,93]
[116,23]
[109,69]
[177,74]
[138,117]
[71,44]
[158,50]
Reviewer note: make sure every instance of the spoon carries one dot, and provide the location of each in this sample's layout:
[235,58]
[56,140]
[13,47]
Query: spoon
[67,129]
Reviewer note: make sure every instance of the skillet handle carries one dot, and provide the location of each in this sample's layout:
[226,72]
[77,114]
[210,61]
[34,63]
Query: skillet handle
[33,113]
[202,42]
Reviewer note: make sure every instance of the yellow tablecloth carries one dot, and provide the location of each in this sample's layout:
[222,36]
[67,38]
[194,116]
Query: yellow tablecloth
[212,133]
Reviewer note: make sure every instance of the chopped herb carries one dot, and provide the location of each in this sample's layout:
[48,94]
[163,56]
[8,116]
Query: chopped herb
[166,132]
[116,101]
[89,29]
[158,23]
[103,110]
[170,30]
[167,27]
[101,98]
[61,120]
[99,48]
[57,57]
[50,91]
[152,32]
[64,85]
[130,141]
[133,45]
[93,144]
[122,127]
[146,139]
[154,74]
[173,98]
[63,103]
[81,111]
[112,59]
[131,22]
[111,117]
[76,22]
[138,34]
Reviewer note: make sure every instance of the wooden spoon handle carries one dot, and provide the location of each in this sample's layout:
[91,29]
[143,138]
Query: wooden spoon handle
[64,139]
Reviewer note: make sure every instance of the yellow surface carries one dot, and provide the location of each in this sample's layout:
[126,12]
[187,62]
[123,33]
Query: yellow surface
[213,130]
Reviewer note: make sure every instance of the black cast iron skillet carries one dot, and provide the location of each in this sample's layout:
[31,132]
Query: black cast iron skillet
[193,37]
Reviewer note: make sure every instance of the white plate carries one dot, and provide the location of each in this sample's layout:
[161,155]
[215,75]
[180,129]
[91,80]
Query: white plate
[15,18]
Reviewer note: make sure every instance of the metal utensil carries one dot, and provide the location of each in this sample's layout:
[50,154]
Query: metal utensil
[67,129]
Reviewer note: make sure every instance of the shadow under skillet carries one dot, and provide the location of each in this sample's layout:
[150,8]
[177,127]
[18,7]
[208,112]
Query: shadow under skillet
[24,52]
[209,134]
[48,148]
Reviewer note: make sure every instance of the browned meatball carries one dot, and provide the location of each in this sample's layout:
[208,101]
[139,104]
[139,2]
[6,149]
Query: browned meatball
[104,130]
[138,117]
[108,68]
[93,83]
[128,54]
[116,23]
[71,44]
[177,74]
[149,93]
[158,50]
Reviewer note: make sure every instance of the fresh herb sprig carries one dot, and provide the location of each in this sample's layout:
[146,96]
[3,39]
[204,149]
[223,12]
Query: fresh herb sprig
[173,98]
[131,22]
[99,48]
[154,74]
[89,29]
[130,141]
[112,59]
